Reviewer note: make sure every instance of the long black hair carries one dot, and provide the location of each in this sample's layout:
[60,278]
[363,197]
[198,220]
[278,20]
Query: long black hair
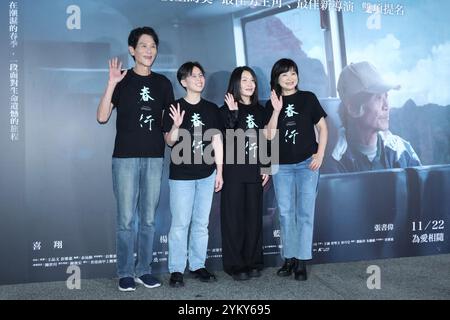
[281,66]
[234,85]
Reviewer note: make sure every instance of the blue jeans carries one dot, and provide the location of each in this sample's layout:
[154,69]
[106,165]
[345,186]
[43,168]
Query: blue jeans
[136,184]
[295,188]
[190,205]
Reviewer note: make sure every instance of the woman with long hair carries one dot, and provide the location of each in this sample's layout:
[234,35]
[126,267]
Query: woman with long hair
[241,198]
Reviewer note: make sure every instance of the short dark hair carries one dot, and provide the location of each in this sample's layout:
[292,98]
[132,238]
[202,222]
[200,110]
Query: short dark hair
[234,85]
[136,34]
[186,70]
[281,66]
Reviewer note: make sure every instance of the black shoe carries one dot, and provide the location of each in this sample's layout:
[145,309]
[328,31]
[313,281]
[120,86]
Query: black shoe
[203,275]
[254,273]
[176,280]
[241,276]
[300,271]
[287,268]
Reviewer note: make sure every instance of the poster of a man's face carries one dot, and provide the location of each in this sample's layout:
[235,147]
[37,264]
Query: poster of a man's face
[376,112]
[365,141]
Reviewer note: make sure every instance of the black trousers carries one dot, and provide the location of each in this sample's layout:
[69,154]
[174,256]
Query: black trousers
[241,222]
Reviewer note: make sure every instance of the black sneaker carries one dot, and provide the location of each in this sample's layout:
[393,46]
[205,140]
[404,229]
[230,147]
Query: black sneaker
[203,275]
[176,280]
[148,281]
[127,284]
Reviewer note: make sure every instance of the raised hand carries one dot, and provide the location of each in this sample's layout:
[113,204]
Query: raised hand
[115,71]
[229,100]
[176,115]
[277,103]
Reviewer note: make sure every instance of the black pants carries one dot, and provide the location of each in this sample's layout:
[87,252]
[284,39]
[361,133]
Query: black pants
[241,223]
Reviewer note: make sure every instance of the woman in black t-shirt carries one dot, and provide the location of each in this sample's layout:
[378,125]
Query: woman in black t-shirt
[192,129]
[295,114]
[241,197]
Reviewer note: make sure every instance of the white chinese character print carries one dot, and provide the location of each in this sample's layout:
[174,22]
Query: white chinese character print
[57,244]
[290,111]
[196,120]
[144,120]
[290,135]
[198,145]
[145,94]
[251,122]
[37,246]
[253,147]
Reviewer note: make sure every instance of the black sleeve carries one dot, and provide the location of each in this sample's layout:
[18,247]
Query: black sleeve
[228,117]
[217,121]
[169,97]
[317,111]
[262,114]
[167,121]
[267,114]
[116,95]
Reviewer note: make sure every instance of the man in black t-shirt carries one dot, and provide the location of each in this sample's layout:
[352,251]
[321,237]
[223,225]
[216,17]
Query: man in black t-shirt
[139,96]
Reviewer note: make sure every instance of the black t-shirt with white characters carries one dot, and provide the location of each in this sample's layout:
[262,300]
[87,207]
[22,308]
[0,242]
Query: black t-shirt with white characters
[140,101]
[250,119]
[198,119]
[300,112]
